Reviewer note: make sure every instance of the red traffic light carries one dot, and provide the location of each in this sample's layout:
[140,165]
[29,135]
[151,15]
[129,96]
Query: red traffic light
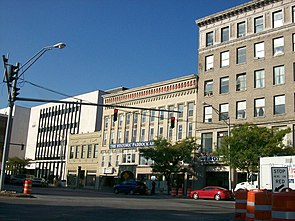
[115,115]
[172,123]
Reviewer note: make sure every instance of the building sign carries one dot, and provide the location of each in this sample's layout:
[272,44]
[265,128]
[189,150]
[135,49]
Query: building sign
[279,176]
[210,159]
[132,145]
[108,170]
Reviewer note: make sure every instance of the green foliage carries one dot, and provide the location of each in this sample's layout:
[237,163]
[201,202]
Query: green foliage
[169,158]
[248,143]
[17,165]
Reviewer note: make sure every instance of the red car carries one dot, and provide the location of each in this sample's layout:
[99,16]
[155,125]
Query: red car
[211,192]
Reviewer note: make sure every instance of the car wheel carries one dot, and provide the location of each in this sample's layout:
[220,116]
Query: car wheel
[116,191]
[195,196]
[217,197]
[131,192]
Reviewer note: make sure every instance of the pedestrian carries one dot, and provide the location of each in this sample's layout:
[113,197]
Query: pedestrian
[153,188]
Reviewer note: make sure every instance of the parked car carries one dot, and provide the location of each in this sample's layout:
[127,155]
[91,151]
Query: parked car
[211,192]
[39,182]
[131,187]
[19,179]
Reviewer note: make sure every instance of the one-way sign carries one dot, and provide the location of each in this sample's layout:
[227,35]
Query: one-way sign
[280,178]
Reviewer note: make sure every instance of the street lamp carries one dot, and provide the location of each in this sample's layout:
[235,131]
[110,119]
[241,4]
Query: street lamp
[11,74]
[226,120]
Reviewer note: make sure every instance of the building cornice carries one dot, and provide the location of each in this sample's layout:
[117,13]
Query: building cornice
[255,4]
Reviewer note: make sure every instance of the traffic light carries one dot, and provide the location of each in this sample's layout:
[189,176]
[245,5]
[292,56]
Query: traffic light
[172,123]
[12,73]
[115,115]
[15,92]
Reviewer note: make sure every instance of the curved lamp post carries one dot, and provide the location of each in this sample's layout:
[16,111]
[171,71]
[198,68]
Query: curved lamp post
[11,75]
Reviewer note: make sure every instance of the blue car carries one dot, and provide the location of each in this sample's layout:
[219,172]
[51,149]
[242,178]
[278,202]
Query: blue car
[131,187]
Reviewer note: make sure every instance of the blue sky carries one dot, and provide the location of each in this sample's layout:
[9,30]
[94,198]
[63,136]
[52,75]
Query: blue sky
[110,43]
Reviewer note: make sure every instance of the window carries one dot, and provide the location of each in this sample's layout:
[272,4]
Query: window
[161,114]
[207,143]
[224,59]
[126,138]
[89,152]
[279,104]
[241,110]
[117,160]
[209,39]
[170,108]
[208,90]
[207,114]
[293,14]
[142,134]
[259,107]
[278,46]
[223,109]
[241,29]
[259,50]
[102,160]
[279,75]
[224,85]
[220,136]
[258,24]
[128,118]
[241,55]
[277,19]
[190,130]
[119,137]
[106,122]
[95,153]
[209,62]
[179,132]
[144,161]
[170,133]
[143,117]
[152,133]
[225,34]
[110,160]
[128,156]
[135,117]
[72,149]
[120,120]
[190,109]
[241,82]
[293,42]
[180,108]
[112,137]
[105,137]
[83,151]
[259,79]
[134,132]
[152,117]
[161,131]
[77,152]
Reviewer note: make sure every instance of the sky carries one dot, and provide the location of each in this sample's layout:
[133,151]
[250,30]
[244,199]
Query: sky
[109,43]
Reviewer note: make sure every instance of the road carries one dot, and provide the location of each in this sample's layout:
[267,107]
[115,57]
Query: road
[68,204]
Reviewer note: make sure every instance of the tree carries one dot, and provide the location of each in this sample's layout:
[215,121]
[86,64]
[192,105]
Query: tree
[249,142]
[169,158]
[17,165]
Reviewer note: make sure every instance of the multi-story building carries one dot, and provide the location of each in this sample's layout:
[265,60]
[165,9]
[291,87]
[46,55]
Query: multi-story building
[143,116]
[19,131]
[246,74]
[49,128]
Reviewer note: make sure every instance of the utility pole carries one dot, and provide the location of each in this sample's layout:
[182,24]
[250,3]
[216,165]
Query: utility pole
[11,77]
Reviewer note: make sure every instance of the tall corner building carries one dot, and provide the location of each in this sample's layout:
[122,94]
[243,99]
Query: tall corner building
[246,73]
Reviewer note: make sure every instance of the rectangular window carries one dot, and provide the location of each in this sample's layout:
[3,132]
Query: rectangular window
[120,120]
[134,132]
[72,149]
[112,137]
[77,152]
[190,111]
[241,55]
[241,82]
[180,108]
[208,90]
[89,152]
[143,117]
[152,133]
[128,118]
[102,160]
[106,122]
[293,14]
[170,108]
[224,59]
[278,46]
[224,85]
[259,50]
[95,154]
[241,29]
[293,39]
[142,134]
[152,117]
[207,143]
[179,132]
[209,62]
[135,117]
[259,79]
[208,114]
[258,24]
[241,110]
[279,104]
[223,109]
[161,114]
[220,136]
[105,137]
[119,137]
[83,151]
[259,107]
[161,131]
[209,39]
[225,34]
[117,160]
[126,138]
[277,18]
[279,75]
[190,130]
[110,160]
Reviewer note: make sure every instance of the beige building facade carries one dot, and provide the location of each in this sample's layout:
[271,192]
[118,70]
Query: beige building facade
[246,74]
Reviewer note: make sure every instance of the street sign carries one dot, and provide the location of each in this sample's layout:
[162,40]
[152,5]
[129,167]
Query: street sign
[279,176]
